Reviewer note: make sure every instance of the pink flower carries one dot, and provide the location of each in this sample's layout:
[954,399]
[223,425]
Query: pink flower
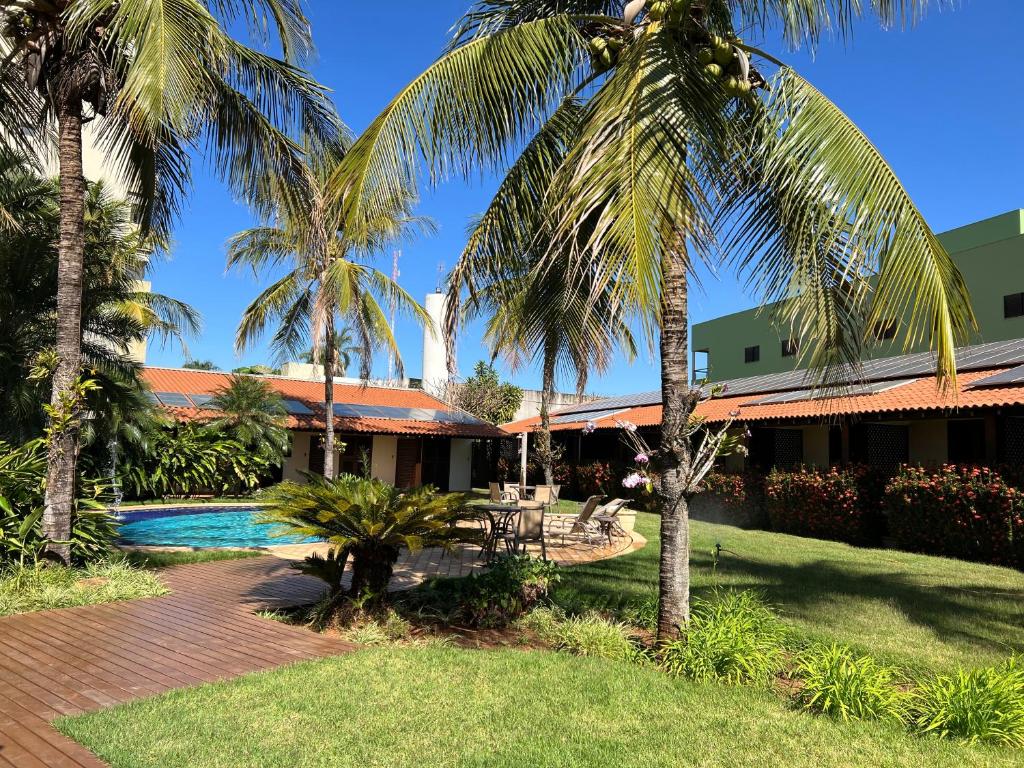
[641,458]
[589,427]
[632,480]
[627,425]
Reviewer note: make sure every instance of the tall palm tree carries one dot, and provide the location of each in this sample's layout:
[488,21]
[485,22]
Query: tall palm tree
[547,314]
[252,414]
[325,281]
[345,348]
[692,143]
[158,78]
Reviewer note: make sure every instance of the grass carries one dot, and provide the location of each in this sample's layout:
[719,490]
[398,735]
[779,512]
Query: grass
[401,707]
[924,613]
[37,589]
[169,502]
[155,558]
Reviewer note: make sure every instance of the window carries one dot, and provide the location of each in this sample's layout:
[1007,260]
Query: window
[701,365]
[790,347]
[752,354]
[885,330]
[966,441]
[1013,305]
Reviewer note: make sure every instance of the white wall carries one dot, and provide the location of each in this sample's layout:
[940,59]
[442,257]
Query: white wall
[435,355]
[460,472]
[298,462]
[385,454]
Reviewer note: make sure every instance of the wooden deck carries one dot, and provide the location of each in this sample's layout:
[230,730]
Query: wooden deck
[75,660]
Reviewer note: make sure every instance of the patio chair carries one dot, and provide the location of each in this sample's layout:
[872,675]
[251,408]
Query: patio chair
[529,527]
[545,494]
[499,495]
[579,524]
[607,516]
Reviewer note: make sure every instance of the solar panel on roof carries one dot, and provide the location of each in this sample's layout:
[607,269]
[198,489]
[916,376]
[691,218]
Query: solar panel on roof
[563,418]
[621,402]
[203,401]
[398,413]
[297,408]
[151,397]
[810,394]
[174,400]
[1011,376]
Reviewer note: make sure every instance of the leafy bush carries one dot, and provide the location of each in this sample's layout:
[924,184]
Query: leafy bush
[973,705]
[593,635]
[22,481]
[643,613]
[824,504]
[841,684]
[965,512]
[734,489]
[370,521]
[735,639]
[510,588]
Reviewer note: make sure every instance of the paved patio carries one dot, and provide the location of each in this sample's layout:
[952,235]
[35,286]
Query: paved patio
[76,660]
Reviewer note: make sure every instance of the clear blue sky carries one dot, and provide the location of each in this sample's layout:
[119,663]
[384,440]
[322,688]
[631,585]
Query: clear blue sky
[942,103]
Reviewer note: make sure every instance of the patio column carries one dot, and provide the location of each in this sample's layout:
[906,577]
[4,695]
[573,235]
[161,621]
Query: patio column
[524,443]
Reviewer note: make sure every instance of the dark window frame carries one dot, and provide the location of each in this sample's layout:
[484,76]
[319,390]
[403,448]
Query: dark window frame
[1013,305]
[790,347]
[884,331]
[752,354]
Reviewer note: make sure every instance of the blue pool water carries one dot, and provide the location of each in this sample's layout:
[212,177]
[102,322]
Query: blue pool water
[200,527]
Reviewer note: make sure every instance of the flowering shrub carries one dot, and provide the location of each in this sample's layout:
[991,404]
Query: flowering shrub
[825,504]
[733,489]
[965,512]
[597,477]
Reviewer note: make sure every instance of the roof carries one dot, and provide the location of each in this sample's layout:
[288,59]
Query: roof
[990,375]
[305,403]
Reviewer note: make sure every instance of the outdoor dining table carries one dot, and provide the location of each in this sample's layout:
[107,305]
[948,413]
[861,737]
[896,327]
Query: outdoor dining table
[500,517]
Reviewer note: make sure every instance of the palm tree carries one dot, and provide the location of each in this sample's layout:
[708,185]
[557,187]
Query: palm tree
[325,281]
[116,314]
[345,348]
[158,78]
[253,416]
[685,150]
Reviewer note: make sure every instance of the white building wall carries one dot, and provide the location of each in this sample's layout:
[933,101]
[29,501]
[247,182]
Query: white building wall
[435,356]
[384,457]
[298,462]
[460,472]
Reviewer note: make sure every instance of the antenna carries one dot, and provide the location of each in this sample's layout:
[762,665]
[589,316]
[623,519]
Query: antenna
[395,256]
[440,277]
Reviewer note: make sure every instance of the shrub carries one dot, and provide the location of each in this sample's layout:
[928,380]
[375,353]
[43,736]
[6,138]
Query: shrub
[841,684]
[34,588]
[734,489]
[965,512]
[824,504]
[643,613]
[506,591]
[973,705]
[593,635]
[735,639]
[22,480]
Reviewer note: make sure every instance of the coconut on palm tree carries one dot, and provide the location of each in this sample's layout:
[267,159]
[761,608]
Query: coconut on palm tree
[157,79]
[252,414]
[680,159]
[328,278]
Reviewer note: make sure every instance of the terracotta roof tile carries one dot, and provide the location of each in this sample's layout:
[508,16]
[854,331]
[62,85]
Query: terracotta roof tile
[919,395]
[311,393]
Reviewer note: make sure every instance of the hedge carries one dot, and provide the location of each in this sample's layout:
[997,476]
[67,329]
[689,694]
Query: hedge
[824,504]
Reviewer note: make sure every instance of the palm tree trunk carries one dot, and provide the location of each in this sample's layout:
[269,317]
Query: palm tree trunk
[328,362]
[544,452]
[674,455]
[62,451]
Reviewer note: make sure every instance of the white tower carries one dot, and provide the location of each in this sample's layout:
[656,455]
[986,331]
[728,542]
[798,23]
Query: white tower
[435,356]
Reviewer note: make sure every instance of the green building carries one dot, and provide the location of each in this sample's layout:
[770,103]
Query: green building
[989,253]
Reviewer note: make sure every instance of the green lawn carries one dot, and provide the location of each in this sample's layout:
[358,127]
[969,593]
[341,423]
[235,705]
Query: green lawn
[922,612]
[399,707]
[37,589]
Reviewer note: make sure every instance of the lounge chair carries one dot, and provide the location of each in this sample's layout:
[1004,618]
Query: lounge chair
[579,524]
[499,495]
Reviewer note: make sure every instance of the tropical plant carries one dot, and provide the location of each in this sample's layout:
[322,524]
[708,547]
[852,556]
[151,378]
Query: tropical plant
[510,588]
[345,348]
[369,520]
[117,313]
[324,280]
[688,146]
[485,395]
[837,682]
[253,415]
[22,480]
[973,705]
[200,365]
[257,370]
[156,79]
[734,638]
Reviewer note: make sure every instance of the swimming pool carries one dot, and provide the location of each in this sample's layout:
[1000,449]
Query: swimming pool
[200,527]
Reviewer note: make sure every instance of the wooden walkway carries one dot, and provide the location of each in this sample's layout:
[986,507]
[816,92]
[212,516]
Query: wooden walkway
[75,660]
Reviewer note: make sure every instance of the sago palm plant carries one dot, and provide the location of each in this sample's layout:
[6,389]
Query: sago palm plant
[369,521]
[158,79]
[692,145]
